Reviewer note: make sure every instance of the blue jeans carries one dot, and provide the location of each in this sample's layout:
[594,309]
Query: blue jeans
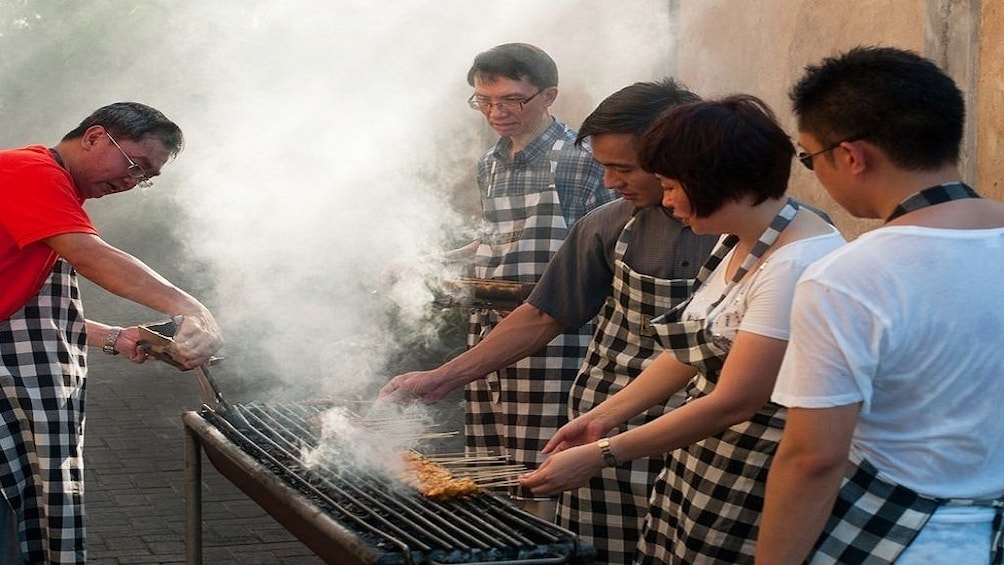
[953,536]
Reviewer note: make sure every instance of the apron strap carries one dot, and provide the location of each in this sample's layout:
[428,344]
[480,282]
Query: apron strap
[767,238]
[997,542]
[937,194]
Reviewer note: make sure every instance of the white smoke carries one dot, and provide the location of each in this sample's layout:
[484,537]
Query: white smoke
[325,140]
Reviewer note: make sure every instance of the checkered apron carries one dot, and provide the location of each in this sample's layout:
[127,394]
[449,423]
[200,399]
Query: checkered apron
[706,503]
[43,348]
[608,512]
[516,410]
[874,520]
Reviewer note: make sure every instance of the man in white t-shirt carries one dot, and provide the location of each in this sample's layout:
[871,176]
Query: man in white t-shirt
[894,445]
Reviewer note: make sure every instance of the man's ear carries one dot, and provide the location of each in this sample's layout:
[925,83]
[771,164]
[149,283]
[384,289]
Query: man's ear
[550,94]
[857,156]
[92,136]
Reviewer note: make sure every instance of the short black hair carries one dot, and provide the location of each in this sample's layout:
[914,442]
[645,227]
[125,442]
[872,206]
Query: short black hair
[720,150]
[634,108]
[133,121]
[515,61]
[895,99]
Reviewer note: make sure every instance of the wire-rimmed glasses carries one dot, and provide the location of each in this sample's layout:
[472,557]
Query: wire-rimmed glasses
[135,171]
[509,106]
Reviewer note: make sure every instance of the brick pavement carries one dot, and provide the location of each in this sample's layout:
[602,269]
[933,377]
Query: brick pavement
[134,477]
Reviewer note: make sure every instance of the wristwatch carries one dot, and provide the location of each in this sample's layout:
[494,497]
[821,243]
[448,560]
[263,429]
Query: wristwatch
[608,455]
[110,339]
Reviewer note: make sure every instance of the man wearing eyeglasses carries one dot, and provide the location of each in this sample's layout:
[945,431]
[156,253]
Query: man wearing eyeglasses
[46,239]
[893,450]
[623,264]
[534,184]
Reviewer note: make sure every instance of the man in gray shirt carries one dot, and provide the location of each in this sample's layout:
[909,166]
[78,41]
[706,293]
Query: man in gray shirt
[623,264]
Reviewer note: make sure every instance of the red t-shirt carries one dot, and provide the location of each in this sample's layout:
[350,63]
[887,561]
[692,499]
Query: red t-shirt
[37,200]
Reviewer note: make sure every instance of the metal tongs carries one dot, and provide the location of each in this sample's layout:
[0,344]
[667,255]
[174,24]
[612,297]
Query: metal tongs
[158,342]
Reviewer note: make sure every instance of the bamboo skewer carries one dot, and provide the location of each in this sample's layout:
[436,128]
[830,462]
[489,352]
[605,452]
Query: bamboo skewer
[504,483]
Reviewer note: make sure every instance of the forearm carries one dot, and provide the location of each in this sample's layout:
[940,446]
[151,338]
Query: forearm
[796,508]
[694,421]
[123,275]
[803,483]
[97,333]
[523,332]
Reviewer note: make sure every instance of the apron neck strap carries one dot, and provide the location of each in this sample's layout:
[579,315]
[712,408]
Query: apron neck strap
[937,194]
[767,238]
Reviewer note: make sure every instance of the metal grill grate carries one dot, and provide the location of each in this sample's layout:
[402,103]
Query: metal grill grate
[379,520]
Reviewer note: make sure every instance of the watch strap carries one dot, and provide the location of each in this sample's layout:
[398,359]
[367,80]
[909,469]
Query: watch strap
[608,455]
[110,340]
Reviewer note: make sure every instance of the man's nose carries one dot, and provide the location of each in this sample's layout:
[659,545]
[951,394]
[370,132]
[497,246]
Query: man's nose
[612,180]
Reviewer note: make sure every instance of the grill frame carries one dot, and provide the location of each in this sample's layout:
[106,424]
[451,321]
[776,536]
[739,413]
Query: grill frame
[286,505]
[330,539]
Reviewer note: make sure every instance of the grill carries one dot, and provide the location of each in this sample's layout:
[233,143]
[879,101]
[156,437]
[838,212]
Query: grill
[349,516]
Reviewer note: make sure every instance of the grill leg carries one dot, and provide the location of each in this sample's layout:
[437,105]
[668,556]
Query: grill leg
[193,498]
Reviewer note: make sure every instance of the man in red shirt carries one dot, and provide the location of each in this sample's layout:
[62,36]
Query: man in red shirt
[46,239]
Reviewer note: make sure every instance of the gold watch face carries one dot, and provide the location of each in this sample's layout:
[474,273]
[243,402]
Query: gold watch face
[608,456]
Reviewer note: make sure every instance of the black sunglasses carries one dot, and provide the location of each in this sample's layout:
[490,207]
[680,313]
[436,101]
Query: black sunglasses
[806,158]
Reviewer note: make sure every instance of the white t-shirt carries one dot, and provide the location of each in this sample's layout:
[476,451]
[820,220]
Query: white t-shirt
[761,303]
[909,321]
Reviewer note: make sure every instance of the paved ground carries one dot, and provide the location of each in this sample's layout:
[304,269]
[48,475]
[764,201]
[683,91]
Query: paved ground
[135,477]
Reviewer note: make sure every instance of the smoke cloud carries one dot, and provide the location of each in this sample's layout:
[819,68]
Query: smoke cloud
[325,142]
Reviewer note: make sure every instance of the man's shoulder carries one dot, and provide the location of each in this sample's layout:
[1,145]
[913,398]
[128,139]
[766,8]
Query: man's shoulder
[660,219]
[27,154]
[32,163]
[850,260]
[560,139]
[613,212]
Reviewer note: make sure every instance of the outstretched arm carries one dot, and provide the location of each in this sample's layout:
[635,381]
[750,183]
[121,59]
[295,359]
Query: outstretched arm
[574,455]
[524,331]
[120,273]
[743,388]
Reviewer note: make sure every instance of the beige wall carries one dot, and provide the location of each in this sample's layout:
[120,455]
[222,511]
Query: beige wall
[761,46]
[989,113]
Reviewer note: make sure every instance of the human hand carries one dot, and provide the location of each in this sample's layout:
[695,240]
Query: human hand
[581,430]
[196,338]
[424,386]
[572,468]
[128,344]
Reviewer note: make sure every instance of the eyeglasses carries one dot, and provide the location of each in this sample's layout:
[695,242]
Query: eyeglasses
[806,158]
[509,106]
[135,171]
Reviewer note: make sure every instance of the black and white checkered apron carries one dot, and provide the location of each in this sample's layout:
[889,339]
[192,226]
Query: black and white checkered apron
[706,503]
[874,520]
[43,349]
[608,512]
[516,410]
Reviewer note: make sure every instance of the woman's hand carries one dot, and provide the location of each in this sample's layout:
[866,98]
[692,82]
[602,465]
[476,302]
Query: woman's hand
[584,429]
[572,468]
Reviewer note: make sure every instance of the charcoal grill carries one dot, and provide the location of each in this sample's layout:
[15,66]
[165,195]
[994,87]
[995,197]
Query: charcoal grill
[350,516]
